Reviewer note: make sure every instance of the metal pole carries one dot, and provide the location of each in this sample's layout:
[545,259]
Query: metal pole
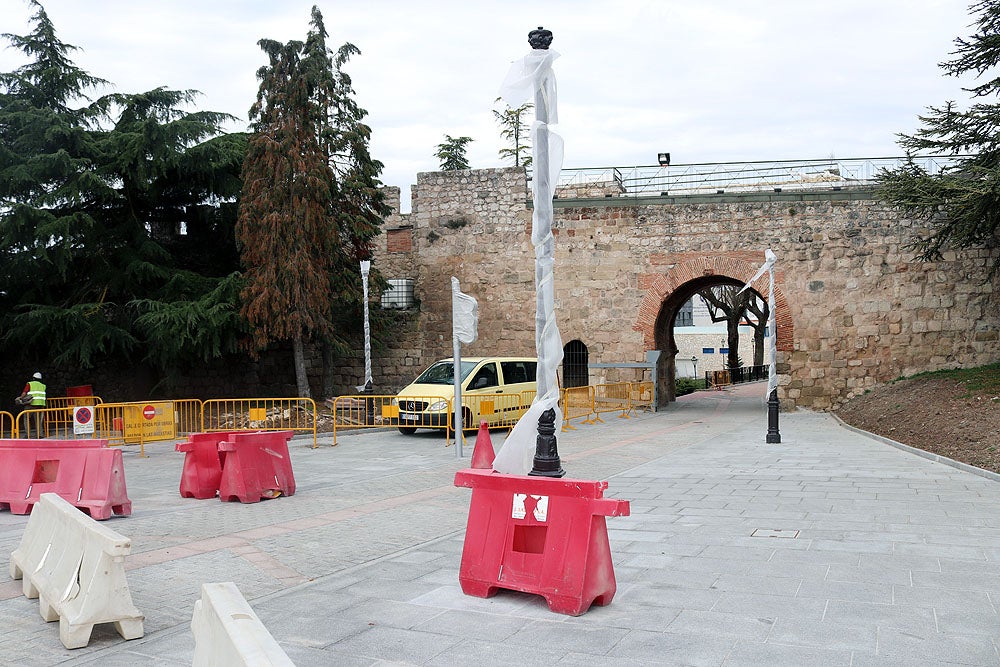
[773,436]
[456,358]
[546,461]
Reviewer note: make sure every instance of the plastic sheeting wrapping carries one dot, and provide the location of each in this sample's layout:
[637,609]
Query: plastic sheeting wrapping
[367,385]
[532,75]
[464,314]
[772,329]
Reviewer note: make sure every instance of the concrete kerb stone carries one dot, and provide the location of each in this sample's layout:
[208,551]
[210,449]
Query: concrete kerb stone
[931,456]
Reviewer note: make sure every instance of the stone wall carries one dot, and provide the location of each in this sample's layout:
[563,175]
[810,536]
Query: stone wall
[854,307]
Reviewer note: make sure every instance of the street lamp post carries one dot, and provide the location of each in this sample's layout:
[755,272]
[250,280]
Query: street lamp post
[546,461]
[773,435]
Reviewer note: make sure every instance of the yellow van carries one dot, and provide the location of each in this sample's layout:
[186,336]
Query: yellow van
[497,390]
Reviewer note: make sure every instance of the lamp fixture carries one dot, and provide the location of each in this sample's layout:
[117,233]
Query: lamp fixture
[663,159]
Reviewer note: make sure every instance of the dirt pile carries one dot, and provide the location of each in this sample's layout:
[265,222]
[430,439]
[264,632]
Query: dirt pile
[957,417]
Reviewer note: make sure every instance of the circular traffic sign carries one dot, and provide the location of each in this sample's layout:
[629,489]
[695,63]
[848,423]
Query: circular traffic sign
[149,412]
[82,415]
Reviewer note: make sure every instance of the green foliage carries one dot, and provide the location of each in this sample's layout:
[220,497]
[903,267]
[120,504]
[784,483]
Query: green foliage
[104,204]
[451,153]
[685,386]
[979,380]
[311,201]
[514,130]
[961,204]
[194,330]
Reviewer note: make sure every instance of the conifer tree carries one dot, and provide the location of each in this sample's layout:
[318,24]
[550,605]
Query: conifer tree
[311,202]
[961,203]
[451,153]
[93,195]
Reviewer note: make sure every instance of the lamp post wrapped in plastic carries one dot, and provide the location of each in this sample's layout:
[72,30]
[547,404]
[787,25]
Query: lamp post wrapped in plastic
[773,434]
[464,329]
[532,75]
[366,386]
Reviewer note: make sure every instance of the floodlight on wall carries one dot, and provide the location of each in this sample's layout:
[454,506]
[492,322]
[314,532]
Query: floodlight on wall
[663,159]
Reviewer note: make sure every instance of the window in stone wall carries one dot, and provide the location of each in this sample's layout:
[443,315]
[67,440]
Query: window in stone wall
[685,316]
[576,361]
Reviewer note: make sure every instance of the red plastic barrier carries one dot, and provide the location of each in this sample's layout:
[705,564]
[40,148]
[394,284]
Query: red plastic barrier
[49,442]
[202,470]
[255,466]
[90,476]
[237,465]
[540,535]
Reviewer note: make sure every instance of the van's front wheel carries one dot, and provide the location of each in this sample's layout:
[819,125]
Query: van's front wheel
[466,424]
[407,430]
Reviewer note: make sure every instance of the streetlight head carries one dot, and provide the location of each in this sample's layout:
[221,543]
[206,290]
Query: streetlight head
[540,38]
[663,159]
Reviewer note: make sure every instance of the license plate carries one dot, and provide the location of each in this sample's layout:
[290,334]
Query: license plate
[407,417]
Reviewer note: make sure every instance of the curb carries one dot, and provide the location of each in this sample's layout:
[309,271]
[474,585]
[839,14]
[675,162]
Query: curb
[937,458]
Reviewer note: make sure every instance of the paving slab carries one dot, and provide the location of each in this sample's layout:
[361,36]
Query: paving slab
[832,547]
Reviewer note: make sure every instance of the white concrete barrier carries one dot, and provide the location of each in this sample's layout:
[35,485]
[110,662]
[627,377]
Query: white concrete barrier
[228,634]
[76,568]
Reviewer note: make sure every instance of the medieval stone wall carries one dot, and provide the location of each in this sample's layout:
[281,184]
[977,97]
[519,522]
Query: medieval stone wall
[854,307]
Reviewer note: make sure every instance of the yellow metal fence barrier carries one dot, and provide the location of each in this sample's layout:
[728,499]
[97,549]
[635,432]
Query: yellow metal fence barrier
[40,422]
[614,397]
[6,425]
[720,379]
[577,402]
[260,414]
[412,412]
[371,411]
[641,395]
[497,410]
[71,402]
[187,416]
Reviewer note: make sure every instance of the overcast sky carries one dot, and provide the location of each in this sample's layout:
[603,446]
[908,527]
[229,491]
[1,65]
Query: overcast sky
[708,81]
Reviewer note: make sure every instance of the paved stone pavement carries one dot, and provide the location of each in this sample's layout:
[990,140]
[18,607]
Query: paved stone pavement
[830,548]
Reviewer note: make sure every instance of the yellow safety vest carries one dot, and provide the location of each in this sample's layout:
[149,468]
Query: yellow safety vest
[36,390]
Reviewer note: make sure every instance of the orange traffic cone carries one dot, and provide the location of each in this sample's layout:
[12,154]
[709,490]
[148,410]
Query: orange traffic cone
[482,454]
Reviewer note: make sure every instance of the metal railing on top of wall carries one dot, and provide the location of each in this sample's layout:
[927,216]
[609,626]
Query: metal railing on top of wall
[732,177]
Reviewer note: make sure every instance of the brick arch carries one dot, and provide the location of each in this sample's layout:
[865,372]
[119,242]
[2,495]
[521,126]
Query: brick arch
[736,266]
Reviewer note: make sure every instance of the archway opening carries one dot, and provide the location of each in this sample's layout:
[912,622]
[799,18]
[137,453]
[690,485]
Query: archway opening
[719,346]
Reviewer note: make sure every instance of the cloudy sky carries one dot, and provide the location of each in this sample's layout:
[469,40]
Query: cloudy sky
[708,81]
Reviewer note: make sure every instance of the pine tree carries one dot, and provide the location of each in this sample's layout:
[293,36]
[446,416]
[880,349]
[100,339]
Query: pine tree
[961,203]
[93,196]
[451,153]
[311,203]
[514,130]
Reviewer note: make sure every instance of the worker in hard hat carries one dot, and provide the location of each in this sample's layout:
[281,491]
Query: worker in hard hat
[33,398]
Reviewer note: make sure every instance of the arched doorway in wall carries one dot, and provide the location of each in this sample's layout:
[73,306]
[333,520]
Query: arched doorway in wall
[576,364]
[667,293]
[667,324]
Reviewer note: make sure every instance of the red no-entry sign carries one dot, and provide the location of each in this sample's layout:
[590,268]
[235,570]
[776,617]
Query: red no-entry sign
[149,412]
